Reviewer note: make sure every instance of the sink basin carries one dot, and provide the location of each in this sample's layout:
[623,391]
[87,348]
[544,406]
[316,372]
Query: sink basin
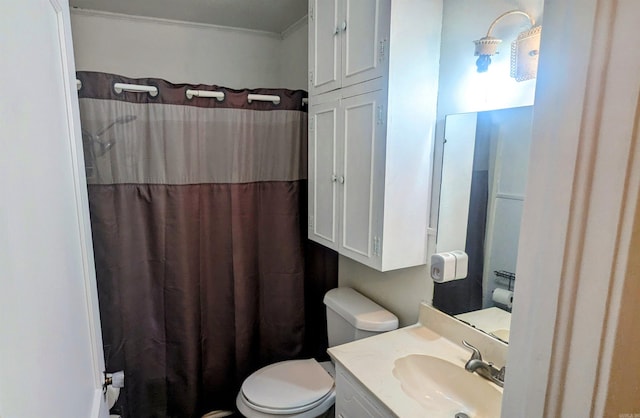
[445,389]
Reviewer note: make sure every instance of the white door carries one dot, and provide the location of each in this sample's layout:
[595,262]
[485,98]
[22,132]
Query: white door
[325,142]
[324,45]
[50,340]
[362,177]
[365,40]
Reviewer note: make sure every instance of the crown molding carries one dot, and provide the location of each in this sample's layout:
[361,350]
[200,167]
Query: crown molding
[171,22]
[295,26]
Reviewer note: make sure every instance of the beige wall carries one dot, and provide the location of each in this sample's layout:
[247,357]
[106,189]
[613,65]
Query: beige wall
[400,291]
[183,52]
[461,89]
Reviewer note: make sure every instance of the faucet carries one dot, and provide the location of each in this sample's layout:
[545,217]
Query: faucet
[486,370]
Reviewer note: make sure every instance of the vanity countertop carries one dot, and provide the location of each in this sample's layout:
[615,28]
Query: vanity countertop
[372,360]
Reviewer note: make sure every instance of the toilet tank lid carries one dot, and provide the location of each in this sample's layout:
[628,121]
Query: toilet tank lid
[361,312]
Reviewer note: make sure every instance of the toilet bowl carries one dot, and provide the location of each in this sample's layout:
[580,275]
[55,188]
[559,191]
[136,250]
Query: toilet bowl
[294,388]
[305,388]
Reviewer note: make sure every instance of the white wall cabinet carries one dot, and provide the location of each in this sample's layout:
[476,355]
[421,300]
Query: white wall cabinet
[346,173]
[371,137]
[348,42]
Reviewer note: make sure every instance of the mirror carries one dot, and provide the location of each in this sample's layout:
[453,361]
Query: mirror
[484,175]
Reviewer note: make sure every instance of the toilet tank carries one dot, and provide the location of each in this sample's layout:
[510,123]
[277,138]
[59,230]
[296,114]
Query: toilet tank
[351,316]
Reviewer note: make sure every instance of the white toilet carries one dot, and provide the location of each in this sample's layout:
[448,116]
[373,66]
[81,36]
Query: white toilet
[305,388]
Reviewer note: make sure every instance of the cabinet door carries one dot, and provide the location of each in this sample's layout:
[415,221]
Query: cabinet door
[324,45]
[365,40]
[362,177]
[324,121]
[352,400]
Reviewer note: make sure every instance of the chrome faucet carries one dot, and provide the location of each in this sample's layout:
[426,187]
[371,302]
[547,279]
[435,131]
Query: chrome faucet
[486,370]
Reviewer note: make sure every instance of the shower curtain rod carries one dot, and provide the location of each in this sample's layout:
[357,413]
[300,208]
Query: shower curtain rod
[219,95]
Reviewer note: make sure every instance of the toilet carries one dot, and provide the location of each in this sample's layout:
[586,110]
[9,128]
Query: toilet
[305,388]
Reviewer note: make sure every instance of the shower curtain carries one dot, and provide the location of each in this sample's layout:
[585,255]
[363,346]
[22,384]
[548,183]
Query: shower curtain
[198,218]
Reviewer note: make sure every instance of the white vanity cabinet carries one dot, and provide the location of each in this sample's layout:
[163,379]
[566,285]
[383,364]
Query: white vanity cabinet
[347,43]
[353,399]
[371,142]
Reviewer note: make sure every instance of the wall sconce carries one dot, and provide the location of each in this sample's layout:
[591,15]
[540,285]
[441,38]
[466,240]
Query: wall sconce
[524,50]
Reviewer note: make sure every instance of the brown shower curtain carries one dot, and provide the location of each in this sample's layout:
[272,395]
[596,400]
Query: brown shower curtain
[198,219]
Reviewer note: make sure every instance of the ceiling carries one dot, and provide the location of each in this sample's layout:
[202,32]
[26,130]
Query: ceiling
[264,15]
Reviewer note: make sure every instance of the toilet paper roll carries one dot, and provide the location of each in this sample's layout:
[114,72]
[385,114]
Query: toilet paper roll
[443,267]
[113,390]
[503,297]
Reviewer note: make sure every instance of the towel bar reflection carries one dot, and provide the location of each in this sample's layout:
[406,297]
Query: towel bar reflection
[511,277]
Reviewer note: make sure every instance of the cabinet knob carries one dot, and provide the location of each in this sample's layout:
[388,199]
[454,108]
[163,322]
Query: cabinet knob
[337,31]
[344,25]
[341,179]
[334,178]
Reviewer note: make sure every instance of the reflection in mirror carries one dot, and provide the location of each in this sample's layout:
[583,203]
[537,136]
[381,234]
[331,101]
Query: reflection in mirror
[484,173]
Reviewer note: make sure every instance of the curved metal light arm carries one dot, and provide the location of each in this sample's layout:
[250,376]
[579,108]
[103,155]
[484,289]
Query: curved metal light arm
[510,12]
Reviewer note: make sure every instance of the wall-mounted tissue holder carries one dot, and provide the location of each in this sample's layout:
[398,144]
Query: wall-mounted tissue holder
[447,266]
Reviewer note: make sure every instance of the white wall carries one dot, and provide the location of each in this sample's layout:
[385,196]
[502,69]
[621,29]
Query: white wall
[400,291]
[48,299]
[178,52]
[184,52]
[294,56]
[460,90]
[510,137]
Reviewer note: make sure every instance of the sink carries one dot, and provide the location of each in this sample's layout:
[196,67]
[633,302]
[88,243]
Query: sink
[445,389]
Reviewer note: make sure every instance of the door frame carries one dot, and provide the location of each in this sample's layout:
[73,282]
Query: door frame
[582,196]
[99,408]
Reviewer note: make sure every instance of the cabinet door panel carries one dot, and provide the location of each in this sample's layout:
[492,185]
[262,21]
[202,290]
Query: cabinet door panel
[351,400]
[324,45]
[363,143]
[365,40]
[323,151]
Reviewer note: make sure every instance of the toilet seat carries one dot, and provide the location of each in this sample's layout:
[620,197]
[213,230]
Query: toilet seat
[327,400]
[288,388]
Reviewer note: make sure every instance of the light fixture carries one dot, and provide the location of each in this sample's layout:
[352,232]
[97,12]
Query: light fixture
[524,50]
[486,48]
[524,54]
